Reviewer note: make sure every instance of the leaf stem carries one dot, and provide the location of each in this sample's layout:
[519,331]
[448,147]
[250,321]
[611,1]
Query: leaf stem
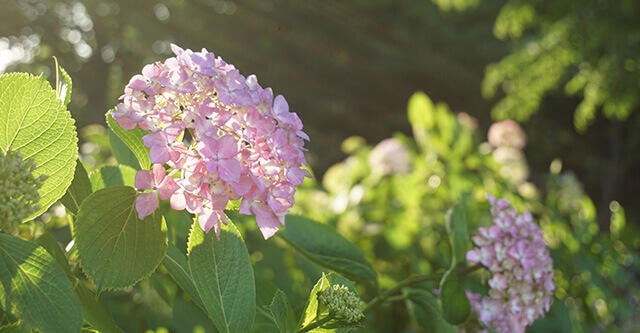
[316,324]
[376,301]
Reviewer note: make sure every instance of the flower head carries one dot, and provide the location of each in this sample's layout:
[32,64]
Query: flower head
[242,143]
[342,303]
[517,256]
[18,189]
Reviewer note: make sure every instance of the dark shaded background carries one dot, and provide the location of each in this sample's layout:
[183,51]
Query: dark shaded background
[347,68]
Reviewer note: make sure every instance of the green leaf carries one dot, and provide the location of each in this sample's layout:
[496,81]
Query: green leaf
[109,176]
[223,276]
[133,140]
[63,87]
[275,315]
[35,123]
[314,310]
[94,312]
[324,246]
[80,188]
[37,287]
[424,309]
[455,305]
[121,152]
[176,264]
[311,309]
[282,313]
[49,243]
[115,248]
[457,230]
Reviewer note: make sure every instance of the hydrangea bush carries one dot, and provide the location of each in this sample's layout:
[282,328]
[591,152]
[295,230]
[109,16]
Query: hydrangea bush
[206,166]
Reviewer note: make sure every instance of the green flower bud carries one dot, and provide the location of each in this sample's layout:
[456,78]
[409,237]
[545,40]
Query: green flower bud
[342,303]
[18,190]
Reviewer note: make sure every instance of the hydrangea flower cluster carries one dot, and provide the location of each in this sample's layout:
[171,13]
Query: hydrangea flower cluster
[517,256]
[19,190]
[390,156]
[224,136]
[342,303]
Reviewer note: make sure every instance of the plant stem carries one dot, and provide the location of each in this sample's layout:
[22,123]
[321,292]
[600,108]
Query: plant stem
[376,301]
[315,324]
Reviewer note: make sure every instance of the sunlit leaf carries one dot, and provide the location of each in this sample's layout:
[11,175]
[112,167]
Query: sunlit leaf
[223,277]
[115,248]
[133,140]
[37,287]
[33,122]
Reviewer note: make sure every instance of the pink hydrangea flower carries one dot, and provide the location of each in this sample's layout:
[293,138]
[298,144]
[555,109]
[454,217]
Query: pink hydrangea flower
[517,256]
[224,136]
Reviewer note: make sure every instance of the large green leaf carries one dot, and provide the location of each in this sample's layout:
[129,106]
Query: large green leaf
[424,309]
[80,189]
[37,287]
[457,230]
[324,246]
[34,122]
[111,175]
[49,243]
[455,304]
[115,248]
[223,276]
[133,140]
[176,264]
[94,312]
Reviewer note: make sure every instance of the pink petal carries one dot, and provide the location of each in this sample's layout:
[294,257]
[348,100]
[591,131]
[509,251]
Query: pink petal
[207,219]
[154,139]
[219,202]
[143,180]
[229,170]
[178,202]
[146,204]
[160,154]
[280,105]
[296,175]
[167,188]
[194,202]
[243,185]
[227,147]
[126,122]
[268,222]
[158,173]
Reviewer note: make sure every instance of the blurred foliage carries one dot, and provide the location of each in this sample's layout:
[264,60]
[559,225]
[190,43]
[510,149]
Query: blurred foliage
[398,218]
[590,47]
[346,67]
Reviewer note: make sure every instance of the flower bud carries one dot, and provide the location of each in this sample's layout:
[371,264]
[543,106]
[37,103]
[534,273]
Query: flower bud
[341,303]
[18,190]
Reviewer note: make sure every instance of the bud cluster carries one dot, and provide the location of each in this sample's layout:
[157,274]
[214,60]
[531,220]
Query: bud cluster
[342,303]
[225,136]
[18,190]
[517,256]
